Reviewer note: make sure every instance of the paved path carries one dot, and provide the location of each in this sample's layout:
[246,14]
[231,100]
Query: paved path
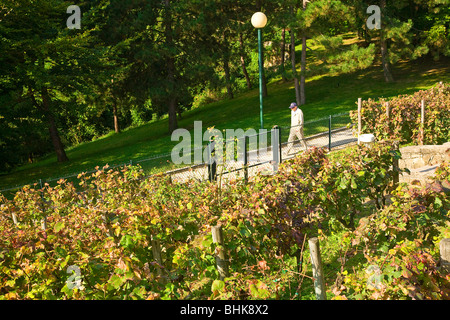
[341,138]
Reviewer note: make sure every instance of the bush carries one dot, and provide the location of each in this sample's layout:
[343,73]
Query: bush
[404,121]
[109,230]
[400,246]
[120,235]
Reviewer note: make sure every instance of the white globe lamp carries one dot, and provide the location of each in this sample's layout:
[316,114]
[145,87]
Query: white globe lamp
[259,20]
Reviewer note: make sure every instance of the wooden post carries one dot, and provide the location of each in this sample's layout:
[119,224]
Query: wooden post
[395,166]
[422,114]
[359,117]
[221,260]
[387,117]
[44,223]
[44,219]
[157,256]
[107,222]
[14,217]
[246,141]
[212,165]
[422,121]
[329,134]
[316,260]
[444,249]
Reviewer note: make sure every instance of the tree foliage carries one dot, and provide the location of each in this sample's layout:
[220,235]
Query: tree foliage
[135,61]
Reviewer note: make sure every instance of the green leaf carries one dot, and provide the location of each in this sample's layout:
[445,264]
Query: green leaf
[343,183]
[259,290]
[58,226]
[61,252]
[115,282]
[218,285]
[353,183]
[65,262]
[207,241]
[67,291]
[126,241]
[438,202]
[244,232]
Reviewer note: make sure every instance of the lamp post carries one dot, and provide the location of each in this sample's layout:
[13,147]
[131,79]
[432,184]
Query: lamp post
[259,21]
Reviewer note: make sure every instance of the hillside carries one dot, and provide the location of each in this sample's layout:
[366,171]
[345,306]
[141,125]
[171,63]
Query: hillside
[325,95]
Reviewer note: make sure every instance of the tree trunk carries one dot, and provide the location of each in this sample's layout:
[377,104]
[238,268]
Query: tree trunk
[384,59]
[386,68]
[226,68]
[294,69]
[179,112]
[244,68]
[173,122]
[282,54]
[116,117]
[52,128]
[303,66]
[302,72]
[170,60]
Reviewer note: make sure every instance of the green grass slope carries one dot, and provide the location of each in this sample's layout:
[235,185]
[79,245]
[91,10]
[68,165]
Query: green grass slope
[325,95]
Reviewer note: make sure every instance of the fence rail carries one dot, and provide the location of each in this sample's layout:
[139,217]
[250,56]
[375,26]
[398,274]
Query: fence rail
[328,132]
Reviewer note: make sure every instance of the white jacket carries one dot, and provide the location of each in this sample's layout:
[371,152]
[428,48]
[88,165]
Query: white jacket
[296,117]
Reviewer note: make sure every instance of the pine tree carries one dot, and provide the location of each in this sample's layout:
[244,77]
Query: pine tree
[410,29]
[44,64]
[324,22]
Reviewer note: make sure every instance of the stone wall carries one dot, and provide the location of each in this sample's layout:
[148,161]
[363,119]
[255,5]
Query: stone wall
[422,161]
[415,157]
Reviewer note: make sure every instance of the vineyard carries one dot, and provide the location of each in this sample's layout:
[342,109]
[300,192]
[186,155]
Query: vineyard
[400,118]
[110,229]
[121,235]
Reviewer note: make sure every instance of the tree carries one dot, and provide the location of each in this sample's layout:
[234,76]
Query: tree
[119,32]
[325,22]
[169,57]
[43,63]
[298,97]
[410,29]
[19,144]
[303,63]
[282,54]
[242,55]
[282,18]
[383,45]
[436,23]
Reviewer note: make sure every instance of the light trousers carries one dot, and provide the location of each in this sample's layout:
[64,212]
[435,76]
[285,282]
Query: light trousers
[295,134]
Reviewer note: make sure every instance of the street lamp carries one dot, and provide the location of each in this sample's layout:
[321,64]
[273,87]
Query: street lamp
[259,21]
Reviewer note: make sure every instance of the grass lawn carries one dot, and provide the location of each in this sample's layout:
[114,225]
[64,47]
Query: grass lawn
[325,95]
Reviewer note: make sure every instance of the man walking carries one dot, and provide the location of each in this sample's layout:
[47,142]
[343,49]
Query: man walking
[297,122]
